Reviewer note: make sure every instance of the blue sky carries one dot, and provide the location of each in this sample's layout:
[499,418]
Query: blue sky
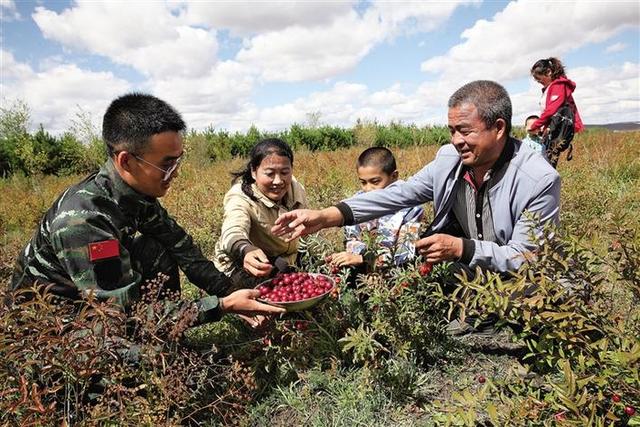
[274,63]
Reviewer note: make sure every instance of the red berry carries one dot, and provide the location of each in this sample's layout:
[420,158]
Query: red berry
[560,416]
[404,285]
[338,280]
[481,379]
[425,268]
[630,410]
[300,325]
[615,397]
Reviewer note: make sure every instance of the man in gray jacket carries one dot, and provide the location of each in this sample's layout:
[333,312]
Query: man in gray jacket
[481,185]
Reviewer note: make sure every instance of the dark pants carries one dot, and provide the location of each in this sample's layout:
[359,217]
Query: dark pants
[150,258]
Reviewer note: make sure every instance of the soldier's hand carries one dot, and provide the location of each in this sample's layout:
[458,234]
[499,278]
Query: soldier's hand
[244,302]
[257,263]
[258,321]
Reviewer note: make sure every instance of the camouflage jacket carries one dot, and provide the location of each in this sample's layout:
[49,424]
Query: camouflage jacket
[100,209]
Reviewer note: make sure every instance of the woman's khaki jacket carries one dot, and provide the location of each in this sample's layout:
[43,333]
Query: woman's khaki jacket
[250,220]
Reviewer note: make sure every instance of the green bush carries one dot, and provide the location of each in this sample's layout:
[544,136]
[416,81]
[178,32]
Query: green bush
[14,121]
[583,348]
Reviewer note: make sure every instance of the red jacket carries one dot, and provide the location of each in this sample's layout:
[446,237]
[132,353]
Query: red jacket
[557,91]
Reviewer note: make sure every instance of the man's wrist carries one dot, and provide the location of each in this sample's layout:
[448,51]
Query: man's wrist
[468,250]
[337,215]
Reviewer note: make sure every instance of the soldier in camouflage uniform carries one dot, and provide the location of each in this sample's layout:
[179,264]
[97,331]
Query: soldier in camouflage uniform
[109,234]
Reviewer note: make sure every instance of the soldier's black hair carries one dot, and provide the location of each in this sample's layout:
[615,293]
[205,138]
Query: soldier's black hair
[132,119]
[380,157]
[262,149]
[490,99]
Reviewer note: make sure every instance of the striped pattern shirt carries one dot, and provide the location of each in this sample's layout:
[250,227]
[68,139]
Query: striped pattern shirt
[471,205]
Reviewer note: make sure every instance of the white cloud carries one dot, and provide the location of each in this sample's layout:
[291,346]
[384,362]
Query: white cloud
[251,17]
[12,69]
[343,104]
[210,99]
[607,95]
[143,35]
[299,52]
[52,93]
[8,11]
[412,16]
[616,47]
[603,95]
[506,46]
[286,41]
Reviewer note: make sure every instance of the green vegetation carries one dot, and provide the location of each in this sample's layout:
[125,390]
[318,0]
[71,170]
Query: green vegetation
[80,150]
[377,354]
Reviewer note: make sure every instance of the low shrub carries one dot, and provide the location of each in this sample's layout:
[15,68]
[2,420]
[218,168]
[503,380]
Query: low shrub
[90,363]
[582,349]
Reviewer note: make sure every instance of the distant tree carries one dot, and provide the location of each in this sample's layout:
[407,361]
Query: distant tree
[14,122]
[313,119]
[85,131]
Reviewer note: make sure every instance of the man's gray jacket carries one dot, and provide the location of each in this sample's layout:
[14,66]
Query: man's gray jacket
[528,184]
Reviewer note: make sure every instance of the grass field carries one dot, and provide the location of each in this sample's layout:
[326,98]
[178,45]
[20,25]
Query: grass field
[311,378]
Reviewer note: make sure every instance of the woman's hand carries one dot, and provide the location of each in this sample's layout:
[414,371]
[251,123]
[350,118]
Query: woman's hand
[244,302]
[343,259]
[257,264]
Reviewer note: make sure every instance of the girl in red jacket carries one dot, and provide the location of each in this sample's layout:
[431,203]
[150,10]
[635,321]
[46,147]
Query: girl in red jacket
[556,89]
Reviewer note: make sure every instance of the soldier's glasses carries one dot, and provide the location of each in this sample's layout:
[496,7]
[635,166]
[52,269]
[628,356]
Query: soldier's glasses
[167,172]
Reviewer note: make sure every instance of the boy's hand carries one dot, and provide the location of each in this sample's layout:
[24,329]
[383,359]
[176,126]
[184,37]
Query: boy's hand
[343,259]
[244,302]
[257,263]
[440,247]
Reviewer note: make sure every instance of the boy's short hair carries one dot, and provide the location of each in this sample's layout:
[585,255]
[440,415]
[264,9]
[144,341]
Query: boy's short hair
[533,116]
[132,119]
[379,157]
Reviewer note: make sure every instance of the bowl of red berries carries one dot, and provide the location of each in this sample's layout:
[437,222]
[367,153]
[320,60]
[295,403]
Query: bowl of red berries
[295,291]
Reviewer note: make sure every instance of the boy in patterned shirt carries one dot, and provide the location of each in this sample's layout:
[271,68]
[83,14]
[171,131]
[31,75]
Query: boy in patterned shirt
[376,169]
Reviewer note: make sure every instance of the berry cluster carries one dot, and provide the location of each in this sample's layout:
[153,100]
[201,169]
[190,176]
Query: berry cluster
[291,287]
[425,269]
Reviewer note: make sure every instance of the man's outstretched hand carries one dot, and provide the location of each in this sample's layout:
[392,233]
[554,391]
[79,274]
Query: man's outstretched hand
[301,222]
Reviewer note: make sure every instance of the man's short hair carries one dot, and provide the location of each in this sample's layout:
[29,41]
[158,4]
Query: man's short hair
[380,157]
[533,116]
[490,99]
[132,119]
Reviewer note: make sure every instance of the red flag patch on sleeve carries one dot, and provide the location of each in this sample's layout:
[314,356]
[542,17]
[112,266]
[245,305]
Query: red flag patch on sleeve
[103,250]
